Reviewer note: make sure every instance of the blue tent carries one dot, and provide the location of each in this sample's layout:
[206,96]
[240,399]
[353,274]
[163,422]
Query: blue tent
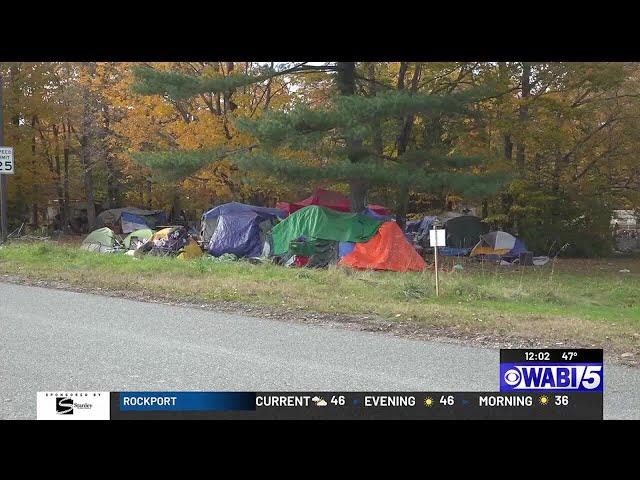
[238,228]
[373,214]
[237,207]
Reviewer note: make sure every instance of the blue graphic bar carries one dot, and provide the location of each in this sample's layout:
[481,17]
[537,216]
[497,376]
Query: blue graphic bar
[187,401]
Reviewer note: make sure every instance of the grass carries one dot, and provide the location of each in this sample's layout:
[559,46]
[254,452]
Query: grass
[592,305]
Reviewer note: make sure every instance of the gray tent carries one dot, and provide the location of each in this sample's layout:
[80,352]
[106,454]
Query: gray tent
[129,219]
[464,231]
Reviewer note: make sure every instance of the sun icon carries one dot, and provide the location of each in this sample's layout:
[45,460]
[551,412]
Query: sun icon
[544,400]
[428,402]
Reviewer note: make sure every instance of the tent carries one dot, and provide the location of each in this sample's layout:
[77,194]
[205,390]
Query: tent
[130,219]
[238,233]
[464,231]
[314,222]
[387,250]
[326,198]
[101,240]
[142,235]
[499,243]
[210,218]
[238,228]
[313,253]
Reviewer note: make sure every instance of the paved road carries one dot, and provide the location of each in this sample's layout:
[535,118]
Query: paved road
[58,340]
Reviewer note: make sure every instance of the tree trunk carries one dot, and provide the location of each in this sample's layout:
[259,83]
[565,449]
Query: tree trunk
[58,170]
[402,203]
[346,83]
[34,188]
[66,153]
[85,151]
[112,191]
[523,114]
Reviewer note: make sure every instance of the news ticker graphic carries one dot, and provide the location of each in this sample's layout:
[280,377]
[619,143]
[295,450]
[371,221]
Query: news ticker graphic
[551,370]
[356,405]
[545,384]
[319,405]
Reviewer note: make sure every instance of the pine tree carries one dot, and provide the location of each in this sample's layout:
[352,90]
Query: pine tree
[344,138]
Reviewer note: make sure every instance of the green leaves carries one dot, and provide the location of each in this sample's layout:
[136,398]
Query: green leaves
[179,86]
[179,163]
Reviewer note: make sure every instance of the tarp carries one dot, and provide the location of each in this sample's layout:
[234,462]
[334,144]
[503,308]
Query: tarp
[143,235]
[237,233]
[113,217]
[210,218]
[190,251]
[168,241]
[326,198]
[387,250]
[419,229]
[345,248]
[131,223]
[319,253]
[100,240]
[464,231]
[323,223]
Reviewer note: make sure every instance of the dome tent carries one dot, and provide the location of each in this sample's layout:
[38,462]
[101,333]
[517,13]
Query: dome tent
[101,240]
[500,244]
[238,228]
[464,231]
[142,235]
[388,249]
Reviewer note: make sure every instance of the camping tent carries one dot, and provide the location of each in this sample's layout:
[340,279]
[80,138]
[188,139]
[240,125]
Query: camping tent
[387,250]
[238,228]
[142,235]
[326,198]
[238,233]
[499,243]
[130,219]
[315,222]
[101,240]
[464,231]
[210,218]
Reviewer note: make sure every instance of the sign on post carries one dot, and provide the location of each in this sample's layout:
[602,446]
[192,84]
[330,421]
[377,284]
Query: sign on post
[6,161]
[437,239]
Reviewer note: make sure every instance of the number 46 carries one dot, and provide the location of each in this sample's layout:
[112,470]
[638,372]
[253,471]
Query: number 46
[448,400]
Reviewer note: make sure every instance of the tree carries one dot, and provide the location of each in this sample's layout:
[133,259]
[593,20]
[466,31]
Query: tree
[341,137]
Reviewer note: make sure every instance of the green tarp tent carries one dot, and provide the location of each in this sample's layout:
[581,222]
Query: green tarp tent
[314,222]
[143,234]
[101,240]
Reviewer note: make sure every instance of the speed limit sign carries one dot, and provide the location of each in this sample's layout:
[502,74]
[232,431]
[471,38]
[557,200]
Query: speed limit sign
[6,160]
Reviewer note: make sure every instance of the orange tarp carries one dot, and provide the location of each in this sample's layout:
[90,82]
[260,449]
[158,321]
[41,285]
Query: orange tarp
[388,249]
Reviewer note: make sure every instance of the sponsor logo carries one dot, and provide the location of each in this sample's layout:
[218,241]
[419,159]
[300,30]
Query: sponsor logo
[585,377]
[64,406]
[73,406]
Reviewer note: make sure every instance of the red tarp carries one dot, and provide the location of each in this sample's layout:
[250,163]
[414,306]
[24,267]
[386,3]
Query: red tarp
[388,249]
[329,199]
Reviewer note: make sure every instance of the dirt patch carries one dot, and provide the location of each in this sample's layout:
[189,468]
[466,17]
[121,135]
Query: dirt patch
[463,335]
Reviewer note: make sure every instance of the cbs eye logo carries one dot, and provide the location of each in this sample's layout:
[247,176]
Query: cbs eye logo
[64,406]
[512,377]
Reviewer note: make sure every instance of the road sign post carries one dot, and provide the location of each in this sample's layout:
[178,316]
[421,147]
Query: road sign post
[4,221]
[436,239]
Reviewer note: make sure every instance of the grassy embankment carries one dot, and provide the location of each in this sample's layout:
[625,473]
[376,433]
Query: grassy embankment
[589,304]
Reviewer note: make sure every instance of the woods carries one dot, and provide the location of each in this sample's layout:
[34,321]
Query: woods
[544,150]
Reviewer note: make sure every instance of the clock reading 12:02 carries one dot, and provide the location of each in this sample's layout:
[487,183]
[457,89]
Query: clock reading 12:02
[537,356]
